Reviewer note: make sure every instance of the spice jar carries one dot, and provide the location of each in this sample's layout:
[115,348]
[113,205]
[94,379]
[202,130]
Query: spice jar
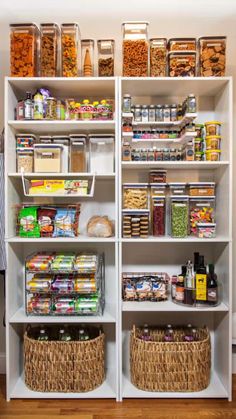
[158,216]
[135,195]
[69,49]
[78,159]
[166,154]
[212,57]
[159,154]
[51,108]
[157,176]
[172,154]
[173,113]
[151,113]
[24,50]
[87,51]
[202,210]
[137,113]
[49,50]
[126,106]
[126,152]
[135,49]
[151,155]
[106,57]
[135,154]
[167,113]
[191,104]
[179,216]
[159,113]
[25,161]
[158,57]
[144,113]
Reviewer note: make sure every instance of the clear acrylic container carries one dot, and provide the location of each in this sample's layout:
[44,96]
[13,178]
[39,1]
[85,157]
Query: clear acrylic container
[87,51]
[78,158]
[202,188]
[135,196]
[202,210]
[135,49]
[106,57]
[49,50]
[64,142]
[182,44]
[47,158]
[177,188]
[25,161]
[182,64]
[24,49]
[70,49]
[101,153]
[158,57]
[212,56]
[159,216]
[179,216]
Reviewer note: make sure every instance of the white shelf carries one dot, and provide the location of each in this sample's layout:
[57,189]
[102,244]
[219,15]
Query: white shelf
[42,127]
[167,239]
[168,306]
[214,390]
[143,165]
[80,239]
[106,390]
[21,317]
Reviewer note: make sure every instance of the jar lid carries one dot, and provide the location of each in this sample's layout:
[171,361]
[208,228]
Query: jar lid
[158,184]
[202,198]
[127,95]
[177,184]
[158,170]
[209,137]
[213,123]
[135,185]
[213,151]
[179,197]
[159,106]
[206,224]
[152,106]
[167,106]
[194,184]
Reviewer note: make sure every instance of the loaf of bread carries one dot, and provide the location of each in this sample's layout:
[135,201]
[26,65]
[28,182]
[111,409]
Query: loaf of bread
[99,226]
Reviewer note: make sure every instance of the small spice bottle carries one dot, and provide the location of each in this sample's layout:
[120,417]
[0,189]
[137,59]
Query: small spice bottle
[126,152]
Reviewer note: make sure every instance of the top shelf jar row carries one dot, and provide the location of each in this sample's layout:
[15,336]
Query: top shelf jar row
[52,51]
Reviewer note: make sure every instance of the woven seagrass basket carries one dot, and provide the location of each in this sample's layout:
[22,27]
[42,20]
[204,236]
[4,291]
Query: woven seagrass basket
[170,366]
[55,366]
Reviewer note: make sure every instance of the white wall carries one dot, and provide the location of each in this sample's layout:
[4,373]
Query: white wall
[102,19]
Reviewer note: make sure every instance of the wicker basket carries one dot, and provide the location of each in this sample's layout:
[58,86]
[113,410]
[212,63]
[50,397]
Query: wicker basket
[71,367]
[170,366]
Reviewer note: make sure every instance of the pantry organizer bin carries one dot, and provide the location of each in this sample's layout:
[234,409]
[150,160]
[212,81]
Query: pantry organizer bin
[158,57]
[202,211]
[179,216]
[106,57]
[55,366]
[47,158]
[49,50]
[170,366]
[135,49]
[24,49]
[212,56]
[101,153]
[78,157]
[70,49]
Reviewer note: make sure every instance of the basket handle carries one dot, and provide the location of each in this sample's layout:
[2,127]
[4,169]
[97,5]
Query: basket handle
[134,330]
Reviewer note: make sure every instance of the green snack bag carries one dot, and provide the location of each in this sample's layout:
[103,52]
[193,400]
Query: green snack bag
[28,222]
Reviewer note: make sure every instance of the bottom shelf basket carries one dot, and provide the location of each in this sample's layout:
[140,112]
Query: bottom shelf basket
[72,367]
[170,366]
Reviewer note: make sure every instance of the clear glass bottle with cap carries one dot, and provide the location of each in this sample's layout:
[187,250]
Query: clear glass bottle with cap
[106,49]
[49,50]
[87,49]
[135,49]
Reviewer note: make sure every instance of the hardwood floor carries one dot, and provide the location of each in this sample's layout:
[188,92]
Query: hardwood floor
[107,409]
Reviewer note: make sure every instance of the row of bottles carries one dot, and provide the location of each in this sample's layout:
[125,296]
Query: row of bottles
[64,334]
[189,334]
[196,283]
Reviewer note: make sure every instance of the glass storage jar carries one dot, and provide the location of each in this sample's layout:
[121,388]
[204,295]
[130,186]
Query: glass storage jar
[78,157]
[25,161]
[70,49]
[87,51]
[202,210]
[49,50]
[101,153]
[106,57]
[24,49]
[158,57]
[158,217]
[51,108]
[182,44]
[179,216]
[212,56]
[182,64]
[135,49]
[135,196]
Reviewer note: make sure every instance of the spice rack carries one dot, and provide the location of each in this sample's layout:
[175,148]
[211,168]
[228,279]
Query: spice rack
[124,255]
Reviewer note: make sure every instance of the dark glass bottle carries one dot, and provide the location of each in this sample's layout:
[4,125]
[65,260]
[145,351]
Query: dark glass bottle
[146,333]
[212,286]
[43,335]
[201,282]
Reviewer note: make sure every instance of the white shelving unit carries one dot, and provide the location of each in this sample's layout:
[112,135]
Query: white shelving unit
[123,255]
[103,201]
[166,254]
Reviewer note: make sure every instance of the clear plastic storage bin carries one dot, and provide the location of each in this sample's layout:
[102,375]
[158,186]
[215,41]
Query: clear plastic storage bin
[202,210]
[212,56]
[182,44]
[101,153]
[49,50]
[158,57]
[182,64]
[70,49]
[135,49]
[87,51]
[158,216]
[202,188]
[177,188]
[179,216]
[135,196]
[24,49]
[25,161]
[47,158]
[106,57]
[78,157]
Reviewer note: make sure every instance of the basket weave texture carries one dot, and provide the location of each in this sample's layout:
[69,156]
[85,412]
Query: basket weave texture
[170,366]
[55,366]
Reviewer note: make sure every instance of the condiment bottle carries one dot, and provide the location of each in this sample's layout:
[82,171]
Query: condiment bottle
[201,282]
[212,286]
[146,334]
[28,106]
[179,294]
[64,335]
[38,106]
[43,335]
[169,334]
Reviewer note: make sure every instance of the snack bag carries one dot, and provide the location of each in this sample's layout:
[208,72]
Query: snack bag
[64,223]
[46,219]
[28,222]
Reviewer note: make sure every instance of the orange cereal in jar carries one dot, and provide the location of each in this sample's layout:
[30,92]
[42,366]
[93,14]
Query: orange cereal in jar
[69,49]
